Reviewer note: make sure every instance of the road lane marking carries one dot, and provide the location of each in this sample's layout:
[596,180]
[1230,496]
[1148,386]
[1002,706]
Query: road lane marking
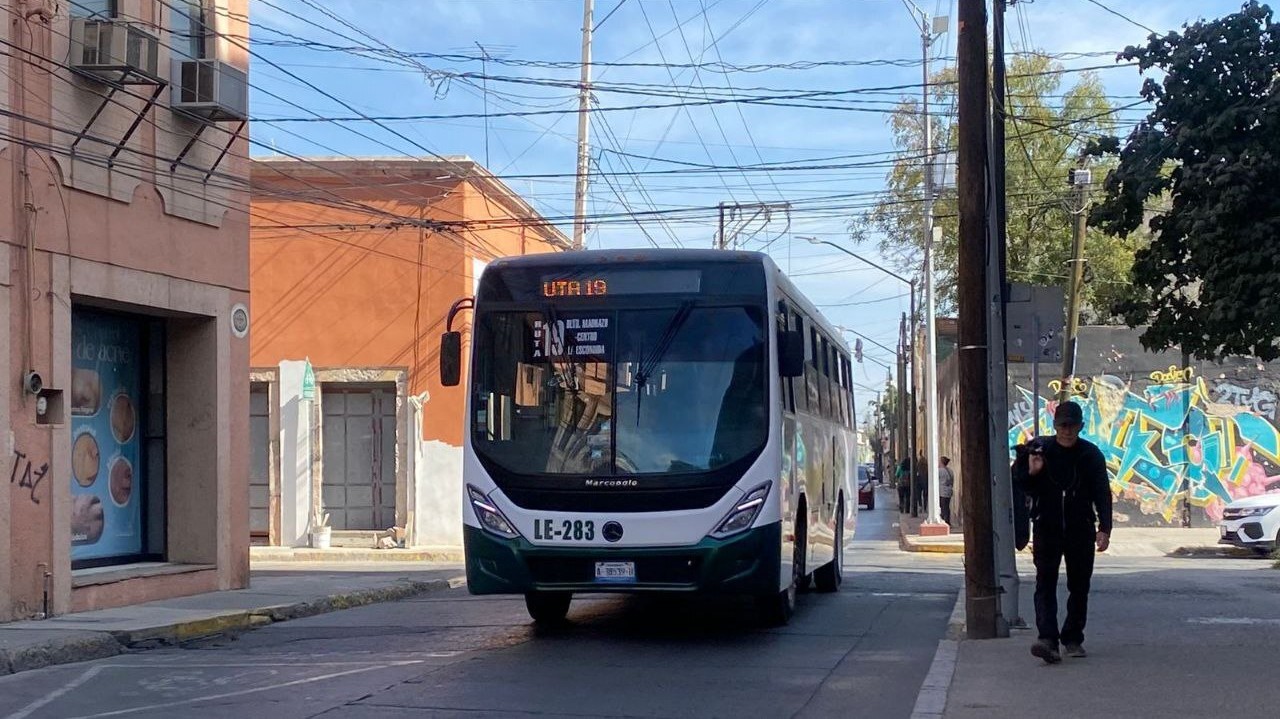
[242,692]
[1240,621]
[26,711]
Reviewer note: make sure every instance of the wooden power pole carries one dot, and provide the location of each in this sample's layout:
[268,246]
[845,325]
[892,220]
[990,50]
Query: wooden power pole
[972,164]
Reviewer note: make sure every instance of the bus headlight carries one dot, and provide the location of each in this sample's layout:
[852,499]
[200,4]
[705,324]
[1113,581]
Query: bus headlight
[744,514]
[490,516]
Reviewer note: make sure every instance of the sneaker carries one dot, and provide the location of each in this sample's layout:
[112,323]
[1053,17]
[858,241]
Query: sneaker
[1076,651]
[1046,650]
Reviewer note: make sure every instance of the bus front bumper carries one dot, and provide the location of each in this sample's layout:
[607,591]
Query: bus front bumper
[746,563]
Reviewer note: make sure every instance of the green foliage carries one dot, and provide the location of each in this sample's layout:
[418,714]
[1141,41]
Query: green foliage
[1211,144]
[1045,130]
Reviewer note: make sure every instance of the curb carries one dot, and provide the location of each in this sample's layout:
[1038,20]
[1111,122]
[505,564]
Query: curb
[86,646]
[931,548]
[1213,552]
[956,624]
[83,647]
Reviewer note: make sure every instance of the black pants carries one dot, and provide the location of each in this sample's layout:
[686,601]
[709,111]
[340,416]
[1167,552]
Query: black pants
[945,503]
[1049,552]
[904,496]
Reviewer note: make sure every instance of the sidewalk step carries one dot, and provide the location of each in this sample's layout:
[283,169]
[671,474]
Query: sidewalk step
[351,554]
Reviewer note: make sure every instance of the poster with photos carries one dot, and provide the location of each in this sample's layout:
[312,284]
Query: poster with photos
[106,388]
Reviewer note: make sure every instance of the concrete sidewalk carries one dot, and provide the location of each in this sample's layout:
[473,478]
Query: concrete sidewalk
[1166,637]
[1125,541]
[278,592]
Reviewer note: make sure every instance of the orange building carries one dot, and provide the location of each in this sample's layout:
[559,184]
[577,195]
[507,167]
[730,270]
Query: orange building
[354,266]
[124,280]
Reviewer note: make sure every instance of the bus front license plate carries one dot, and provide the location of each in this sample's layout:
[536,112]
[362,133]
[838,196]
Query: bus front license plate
[616,572]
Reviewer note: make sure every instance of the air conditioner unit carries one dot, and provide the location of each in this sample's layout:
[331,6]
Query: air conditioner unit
[210,89]
[115,51]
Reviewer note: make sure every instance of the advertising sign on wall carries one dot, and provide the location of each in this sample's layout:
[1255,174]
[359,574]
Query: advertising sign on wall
[106,388]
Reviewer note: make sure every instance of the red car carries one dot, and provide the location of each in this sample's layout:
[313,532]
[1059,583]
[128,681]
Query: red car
[866,488]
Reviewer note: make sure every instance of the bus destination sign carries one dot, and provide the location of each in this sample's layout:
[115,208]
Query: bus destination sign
[621,282]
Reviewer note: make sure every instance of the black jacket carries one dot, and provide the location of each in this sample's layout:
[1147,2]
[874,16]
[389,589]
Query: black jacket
[1072,495]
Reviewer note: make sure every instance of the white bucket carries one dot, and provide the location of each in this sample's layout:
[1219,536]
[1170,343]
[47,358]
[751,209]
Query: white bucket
[320,537]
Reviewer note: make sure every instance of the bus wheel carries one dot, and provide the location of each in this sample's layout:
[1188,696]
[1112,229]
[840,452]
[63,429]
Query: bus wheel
[548,608]
[827,577]
[776,609]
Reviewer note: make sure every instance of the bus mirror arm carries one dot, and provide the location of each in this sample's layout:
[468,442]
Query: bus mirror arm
[790,353]
[451,345]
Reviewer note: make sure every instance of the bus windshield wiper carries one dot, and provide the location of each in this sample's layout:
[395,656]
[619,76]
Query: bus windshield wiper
[650,363]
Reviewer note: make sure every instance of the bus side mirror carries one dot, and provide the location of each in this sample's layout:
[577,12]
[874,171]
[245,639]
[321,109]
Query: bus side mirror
[450,359]
[791,353]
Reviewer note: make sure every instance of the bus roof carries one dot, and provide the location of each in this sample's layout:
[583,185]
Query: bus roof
[637,255]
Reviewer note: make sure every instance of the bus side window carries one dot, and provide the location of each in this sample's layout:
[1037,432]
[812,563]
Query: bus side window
[817,398]
[786,389]
[812,403]
[845,382]
[829,408]
[799,394]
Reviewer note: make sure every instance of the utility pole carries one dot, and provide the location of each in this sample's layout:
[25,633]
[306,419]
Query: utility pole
[1004,537]
[1079,179]
[972,165]
[720,233]
[584,122]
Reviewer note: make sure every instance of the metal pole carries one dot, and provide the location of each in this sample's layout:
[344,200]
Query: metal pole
[981,596]
[1081,182]
[1035,381]
[584,115]
[914,398]
[904,426]
[930,357]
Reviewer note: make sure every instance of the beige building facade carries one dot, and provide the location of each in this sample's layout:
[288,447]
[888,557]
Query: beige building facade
[124,303]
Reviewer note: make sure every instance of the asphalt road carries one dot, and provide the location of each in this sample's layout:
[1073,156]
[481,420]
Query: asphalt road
[861,652]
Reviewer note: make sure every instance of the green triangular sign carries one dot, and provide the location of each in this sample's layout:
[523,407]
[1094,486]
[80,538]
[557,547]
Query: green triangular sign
[308,381]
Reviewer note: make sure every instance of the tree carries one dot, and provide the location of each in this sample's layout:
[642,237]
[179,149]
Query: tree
[1211,144]
[1045,129]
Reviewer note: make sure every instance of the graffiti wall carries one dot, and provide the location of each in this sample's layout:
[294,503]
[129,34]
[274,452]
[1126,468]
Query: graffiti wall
[1178,446]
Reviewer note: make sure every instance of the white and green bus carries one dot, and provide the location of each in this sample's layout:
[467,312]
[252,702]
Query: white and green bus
[652,421]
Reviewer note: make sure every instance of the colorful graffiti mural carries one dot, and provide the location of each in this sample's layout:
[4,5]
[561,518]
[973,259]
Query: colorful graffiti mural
[1171,437]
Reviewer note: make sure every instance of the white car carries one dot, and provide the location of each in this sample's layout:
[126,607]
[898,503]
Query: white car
[1252,522]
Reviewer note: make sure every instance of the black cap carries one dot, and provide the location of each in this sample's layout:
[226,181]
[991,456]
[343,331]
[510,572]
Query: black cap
[1068,413]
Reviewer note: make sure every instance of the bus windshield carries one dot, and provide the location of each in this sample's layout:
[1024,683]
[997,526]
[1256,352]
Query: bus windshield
[625,392]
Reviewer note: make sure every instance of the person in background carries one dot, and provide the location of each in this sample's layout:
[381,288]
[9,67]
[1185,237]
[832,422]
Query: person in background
[946,488]
[903,478]
[922,483]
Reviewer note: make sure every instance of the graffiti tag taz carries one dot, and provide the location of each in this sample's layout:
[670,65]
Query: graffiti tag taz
[30,476]
[1174,439]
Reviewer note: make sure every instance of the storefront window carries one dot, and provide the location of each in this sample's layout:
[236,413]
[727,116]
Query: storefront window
[111,361]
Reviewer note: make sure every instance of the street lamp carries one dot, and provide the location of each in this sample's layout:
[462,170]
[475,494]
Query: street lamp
[910,424]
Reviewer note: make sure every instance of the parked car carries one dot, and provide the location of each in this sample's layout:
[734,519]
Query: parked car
[866,488]
[1252,522]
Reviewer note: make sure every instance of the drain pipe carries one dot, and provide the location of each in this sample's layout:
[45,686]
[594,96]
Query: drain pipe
[47,575]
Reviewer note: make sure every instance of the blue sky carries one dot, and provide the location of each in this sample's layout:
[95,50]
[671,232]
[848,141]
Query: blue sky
[735,32]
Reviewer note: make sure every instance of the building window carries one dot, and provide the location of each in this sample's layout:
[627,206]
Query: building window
[193,28]
[117,438]
[96,9]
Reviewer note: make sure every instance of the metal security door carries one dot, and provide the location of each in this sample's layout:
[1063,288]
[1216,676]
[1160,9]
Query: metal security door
[259,462]
[359,486]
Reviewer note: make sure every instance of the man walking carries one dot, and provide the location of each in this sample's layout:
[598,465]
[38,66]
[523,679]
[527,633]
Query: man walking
[946,488]
[1067,478]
